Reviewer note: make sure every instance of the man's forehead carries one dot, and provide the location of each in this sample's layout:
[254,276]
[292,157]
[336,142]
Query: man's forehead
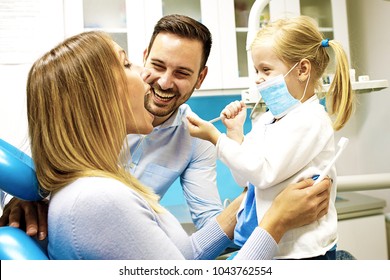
[175,51]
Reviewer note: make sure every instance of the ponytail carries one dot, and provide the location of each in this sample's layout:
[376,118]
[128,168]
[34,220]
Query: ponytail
[340,97]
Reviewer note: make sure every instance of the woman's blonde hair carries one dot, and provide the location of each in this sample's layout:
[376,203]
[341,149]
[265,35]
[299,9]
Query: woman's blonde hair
[76,119]
[297,38]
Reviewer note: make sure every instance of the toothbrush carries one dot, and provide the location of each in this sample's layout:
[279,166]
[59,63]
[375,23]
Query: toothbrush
[214,120]
[342,144]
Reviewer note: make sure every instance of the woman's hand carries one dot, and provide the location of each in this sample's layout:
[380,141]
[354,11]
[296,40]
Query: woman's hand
[297,205]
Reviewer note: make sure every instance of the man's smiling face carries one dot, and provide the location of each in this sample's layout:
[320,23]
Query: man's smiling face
[175,63]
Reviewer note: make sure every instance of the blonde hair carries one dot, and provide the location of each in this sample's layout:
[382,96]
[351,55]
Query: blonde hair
[297,38]
[76,119]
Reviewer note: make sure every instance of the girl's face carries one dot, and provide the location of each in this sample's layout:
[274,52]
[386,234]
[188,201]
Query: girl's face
[268,65]
[138,119]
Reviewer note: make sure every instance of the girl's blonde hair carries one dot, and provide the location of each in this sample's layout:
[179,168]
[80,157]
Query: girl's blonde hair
[297,38]
[76,119]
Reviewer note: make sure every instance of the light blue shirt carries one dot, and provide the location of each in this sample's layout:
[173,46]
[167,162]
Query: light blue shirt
[169,153]
[2,198]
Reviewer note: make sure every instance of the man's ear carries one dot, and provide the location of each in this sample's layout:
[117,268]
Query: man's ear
[201,77]
[304,70]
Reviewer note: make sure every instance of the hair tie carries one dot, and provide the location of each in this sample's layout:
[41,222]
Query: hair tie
[325,43]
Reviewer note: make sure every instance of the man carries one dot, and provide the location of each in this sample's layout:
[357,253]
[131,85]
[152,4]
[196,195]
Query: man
[177,56]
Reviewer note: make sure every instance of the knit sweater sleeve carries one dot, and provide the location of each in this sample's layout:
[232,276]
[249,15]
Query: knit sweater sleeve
[103,219]
[259,246]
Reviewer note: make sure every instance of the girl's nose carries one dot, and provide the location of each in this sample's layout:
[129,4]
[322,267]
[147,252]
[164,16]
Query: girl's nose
[259,79]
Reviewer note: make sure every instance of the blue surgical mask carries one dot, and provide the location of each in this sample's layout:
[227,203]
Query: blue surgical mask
[276,96]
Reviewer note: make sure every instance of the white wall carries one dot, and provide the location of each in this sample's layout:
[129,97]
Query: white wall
[13,119]
[31,28]
[369,130]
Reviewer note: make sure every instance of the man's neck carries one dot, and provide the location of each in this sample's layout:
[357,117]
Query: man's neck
[160,120]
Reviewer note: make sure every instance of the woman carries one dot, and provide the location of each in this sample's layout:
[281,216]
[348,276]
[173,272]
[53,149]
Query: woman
[83,98]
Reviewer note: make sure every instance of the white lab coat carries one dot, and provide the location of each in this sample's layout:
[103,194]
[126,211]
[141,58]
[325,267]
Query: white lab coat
[275,154]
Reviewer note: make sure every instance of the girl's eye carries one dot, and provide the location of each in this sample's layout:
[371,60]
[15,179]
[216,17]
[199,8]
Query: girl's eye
[127,65]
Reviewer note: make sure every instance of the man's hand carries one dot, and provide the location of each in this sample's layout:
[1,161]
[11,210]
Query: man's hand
[297,205]
[28,215]
[227,219]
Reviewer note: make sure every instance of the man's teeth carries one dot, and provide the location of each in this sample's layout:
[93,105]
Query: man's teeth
[164,95]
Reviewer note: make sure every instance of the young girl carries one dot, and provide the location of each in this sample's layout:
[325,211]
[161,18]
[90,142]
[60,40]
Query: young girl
[294,139]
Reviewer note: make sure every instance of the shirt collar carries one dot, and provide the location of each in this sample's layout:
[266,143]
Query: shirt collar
[176,119]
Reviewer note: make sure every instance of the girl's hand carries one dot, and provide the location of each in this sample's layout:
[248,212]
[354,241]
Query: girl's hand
[202,129]
[233,117]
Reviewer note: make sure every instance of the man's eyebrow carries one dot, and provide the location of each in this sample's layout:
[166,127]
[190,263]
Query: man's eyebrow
[179,68]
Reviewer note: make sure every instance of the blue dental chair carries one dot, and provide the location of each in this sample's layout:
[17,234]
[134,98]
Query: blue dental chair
[17,177]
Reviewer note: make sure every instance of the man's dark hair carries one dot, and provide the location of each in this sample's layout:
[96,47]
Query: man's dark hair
[185,27]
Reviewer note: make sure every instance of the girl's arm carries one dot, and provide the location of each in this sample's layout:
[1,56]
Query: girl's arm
[233,117]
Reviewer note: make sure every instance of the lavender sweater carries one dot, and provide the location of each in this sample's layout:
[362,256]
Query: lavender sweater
[101,218]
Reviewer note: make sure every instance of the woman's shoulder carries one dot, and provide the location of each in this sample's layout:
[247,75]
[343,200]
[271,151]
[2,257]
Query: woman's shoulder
[92,185]
[98,199]
[96,192]
[83,214]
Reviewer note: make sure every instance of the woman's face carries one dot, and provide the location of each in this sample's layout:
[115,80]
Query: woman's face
[138,119]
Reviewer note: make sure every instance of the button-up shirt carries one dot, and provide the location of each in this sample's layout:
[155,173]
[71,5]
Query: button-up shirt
[169,153]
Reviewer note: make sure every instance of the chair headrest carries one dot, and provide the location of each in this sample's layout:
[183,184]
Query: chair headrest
[17,174]
[17,245]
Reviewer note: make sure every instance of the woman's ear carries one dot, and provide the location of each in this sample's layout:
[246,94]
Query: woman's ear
[304,70]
